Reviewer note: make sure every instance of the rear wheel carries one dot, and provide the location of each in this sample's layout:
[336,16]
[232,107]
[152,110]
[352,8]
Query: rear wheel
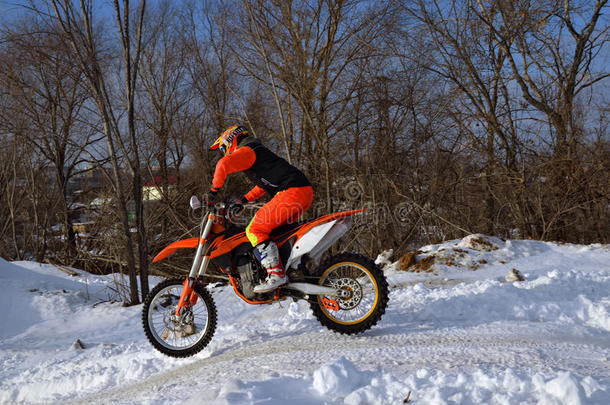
[365,293]
[178,336]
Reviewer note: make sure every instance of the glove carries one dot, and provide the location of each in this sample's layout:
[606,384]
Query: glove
[209,199]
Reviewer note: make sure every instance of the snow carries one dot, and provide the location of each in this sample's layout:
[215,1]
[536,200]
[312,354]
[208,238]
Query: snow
[455,334]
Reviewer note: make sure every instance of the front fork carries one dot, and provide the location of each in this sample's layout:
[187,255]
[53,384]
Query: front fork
[188,298]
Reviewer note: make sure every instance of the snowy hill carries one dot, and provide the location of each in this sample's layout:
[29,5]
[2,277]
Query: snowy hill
[455,332]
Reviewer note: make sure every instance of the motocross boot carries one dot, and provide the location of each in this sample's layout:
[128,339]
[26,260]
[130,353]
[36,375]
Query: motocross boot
[267,254]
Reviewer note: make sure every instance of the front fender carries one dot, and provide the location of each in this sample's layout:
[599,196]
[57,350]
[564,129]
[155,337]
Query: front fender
[172,247]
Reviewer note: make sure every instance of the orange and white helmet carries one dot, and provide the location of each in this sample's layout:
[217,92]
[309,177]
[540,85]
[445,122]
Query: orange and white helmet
[227,142]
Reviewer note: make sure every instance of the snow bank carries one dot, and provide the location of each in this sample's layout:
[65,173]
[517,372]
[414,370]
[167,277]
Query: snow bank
[383,259]
[566,285]
[451,336]
[569,299]
[45,312]
[479,252]
[340,382]
[24,294]
[338,378]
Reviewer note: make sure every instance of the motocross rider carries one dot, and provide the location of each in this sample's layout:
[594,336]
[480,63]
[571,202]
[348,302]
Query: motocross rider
[290,191]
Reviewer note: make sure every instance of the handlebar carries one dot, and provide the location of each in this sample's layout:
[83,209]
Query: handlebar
[226,209]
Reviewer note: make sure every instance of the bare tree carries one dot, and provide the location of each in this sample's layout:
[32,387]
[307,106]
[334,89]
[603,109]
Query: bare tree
[11,196]
[466,55]
[443,117]
[313,53]
[213,65]
[77,25]
[131,63]
[550,47]
[166,114]
[47,89]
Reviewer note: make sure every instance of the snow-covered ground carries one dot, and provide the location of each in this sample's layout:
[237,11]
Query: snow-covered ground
[457,333]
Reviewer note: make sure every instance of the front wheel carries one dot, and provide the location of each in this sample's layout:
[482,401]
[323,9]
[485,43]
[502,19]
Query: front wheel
[365,293]
[178,336]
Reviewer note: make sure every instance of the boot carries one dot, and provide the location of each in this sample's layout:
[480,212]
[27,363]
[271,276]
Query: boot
[268,255]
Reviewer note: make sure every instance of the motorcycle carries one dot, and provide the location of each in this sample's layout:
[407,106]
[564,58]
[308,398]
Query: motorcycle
[347,292]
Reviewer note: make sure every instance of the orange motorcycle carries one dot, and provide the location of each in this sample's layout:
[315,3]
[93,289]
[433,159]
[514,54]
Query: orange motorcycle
[347,292]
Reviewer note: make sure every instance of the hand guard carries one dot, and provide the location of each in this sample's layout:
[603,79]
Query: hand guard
[236,206]
[242,201]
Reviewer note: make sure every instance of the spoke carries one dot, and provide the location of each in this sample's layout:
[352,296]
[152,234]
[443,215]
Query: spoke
[160,319]
[202,310]
[363,292]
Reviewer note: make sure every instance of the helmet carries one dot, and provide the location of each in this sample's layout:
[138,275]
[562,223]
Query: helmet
[227,142]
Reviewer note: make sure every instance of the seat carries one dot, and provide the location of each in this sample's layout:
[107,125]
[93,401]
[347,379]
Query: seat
[284,229]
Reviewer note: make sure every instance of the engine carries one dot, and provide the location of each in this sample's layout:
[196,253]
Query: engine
[251,273]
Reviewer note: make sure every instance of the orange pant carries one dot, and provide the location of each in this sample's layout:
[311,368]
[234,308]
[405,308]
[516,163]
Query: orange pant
[285,207]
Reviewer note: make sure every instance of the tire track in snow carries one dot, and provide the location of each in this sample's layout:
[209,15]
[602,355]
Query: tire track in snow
[392,352]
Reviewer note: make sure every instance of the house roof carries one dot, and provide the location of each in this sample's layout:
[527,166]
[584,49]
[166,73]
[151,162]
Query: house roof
[160,181]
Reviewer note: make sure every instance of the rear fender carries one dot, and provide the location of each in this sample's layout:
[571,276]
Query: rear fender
[171,248]
[318,239]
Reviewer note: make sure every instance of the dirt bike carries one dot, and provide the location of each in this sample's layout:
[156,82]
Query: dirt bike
[347,292]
